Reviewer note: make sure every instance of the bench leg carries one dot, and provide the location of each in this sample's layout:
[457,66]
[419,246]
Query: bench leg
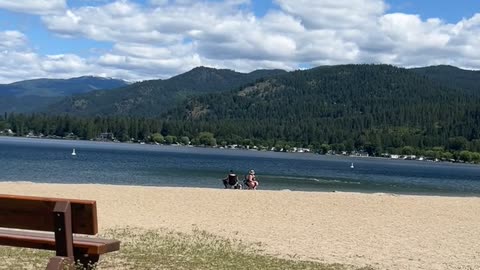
[87,261]
[62,218]
[60,263]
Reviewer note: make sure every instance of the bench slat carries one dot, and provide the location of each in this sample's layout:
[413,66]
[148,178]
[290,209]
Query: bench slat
[26,239]
[35,213]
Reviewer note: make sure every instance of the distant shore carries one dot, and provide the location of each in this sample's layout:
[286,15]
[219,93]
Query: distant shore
[229,147]
[381,230]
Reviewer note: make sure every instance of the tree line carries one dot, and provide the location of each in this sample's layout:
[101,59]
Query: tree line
[277,135]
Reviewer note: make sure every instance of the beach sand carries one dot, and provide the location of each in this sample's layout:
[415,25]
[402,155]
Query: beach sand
[381,230]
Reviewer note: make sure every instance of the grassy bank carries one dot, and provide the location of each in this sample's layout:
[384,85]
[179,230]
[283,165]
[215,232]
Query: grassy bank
[170,250]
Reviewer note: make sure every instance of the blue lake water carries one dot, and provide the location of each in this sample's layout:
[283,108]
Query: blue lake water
[50,161]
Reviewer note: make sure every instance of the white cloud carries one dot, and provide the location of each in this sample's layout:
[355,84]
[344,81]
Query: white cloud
[20,62]
[336,14]
[411,41]
[12,39]
[18,66]
[151,61]
[280,22]
[64,62]
[410,32]
[165,37]
[41,7]
[17,61]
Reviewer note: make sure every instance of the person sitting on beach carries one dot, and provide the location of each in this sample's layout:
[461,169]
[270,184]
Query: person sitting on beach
[231,181]
[251,180]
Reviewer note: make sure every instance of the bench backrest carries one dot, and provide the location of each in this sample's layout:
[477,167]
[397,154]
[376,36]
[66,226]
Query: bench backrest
[36,213]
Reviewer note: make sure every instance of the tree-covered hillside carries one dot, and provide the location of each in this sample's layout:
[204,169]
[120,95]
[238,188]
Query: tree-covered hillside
[352,106]
[58,87]
[151,98]
[452,77]
[32,95]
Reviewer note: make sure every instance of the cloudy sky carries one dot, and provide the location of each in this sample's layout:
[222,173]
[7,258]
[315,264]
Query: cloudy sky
[145,39]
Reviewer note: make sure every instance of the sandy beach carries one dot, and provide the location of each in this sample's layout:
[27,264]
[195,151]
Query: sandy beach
[381,230]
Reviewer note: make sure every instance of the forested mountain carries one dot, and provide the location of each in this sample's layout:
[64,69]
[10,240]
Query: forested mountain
[452,76]
[25,104]
[59,87]
[352,106]
[151,98]
[30,95]
[374,108]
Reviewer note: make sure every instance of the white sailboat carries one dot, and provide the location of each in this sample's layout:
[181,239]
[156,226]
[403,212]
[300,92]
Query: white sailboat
[351,166]
[73,152]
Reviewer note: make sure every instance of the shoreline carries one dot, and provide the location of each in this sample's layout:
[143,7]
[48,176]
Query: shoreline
[456,195]
[381,230]
[242,149]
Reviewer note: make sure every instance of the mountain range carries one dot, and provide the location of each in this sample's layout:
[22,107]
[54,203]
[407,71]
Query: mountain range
[366,107]
[91,96]
[342,104]
[35,95]
[154,97]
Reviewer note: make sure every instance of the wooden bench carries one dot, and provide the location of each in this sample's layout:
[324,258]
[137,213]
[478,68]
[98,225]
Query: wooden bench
[63,217]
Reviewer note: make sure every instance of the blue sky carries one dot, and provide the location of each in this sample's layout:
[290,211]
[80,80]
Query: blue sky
[450,11]
[146,39]
[44,41]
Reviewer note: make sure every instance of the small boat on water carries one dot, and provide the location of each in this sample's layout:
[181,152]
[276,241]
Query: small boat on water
[73,152]
[351,166]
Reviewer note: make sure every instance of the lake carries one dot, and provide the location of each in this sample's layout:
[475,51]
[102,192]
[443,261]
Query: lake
[50,161]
